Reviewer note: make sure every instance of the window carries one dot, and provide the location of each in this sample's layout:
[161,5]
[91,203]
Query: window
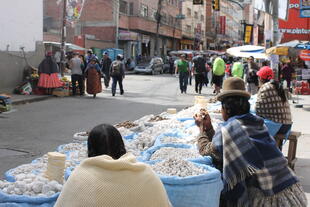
[123,7]
[196,15]
[164,18]
[188,28]
[144,10]
[189,12]
[202,18]
[170,21]
[131,8]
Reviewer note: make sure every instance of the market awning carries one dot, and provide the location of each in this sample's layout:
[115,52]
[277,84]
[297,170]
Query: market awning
[246,51]
[68,45]
[278,50]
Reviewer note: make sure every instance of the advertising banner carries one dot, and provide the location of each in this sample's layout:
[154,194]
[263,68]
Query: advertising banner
[128,35]
[74,10]
[223,25]
[295,28]
[248,33]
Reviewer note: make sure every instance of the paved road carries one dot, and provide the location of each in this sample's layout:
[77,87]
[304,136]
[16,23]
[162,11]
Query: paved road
[40,127]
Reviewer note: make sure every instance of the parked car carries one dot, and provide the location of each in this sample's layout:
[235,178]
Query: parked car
[154,66]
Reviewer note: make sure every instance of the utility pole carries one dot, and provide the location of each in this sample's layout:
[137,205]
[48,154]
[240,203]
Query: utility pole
[63,38]
[116,12]
[158,20]
[275,19]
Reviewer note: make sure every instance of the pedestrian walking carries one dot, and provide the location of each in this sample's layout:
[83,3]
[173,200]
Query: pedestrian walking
[182,68]
[218,71]
[237,70]
[199,71]
[117,72]
[76,66]
[251,77]
[105,68]
[48,72]
[93,76]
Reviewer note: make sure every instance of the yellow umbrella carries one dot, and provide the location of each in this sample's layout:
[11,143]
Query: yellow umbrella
[277,50]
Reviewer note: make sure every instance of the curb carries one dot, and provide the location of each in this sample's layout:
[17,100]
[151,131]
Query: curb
[31,100]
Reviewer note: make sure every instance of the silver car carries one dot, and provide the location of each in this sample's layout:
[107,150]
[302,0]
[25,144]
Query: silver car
[155,66]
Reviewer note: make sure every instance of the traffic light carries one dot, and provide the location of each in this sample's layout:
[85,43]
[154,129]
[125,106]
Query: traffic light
[216,5]
[197,2]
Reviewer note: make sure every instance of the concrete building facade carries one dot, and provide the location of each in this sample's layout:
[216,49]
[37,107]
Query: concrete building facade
[193,26]
[136,25]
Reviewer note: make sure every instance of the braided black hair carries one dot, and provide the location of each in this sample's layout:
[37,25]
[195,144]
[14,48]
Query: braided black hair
[236,105]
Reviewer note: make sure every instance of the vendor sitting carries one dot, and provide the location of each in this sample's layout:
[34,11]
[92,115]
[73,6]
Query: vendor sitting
[255,173]
[111,177]
[272,102]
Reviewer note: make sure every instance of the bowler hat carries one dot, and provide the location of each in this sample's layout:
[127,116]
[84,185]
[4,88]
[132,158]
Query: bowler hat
[233,87]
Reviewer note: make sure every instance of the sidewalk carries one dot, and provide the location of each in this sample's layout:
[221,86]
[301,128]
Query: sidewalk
[24,99]
[301,123]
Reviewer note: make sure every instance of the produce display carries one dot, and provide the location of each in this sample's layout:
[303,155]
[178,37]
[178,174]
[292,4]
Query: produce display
[126,124]
[139,136]
[177,167]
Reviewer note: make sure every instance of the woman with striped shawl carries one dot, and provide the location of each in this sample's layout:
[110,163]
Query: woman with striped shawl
[254,171]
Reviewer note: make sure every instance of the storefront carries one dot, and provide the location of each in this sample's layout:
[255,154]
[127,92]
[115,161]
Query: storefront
[187,44]
[129,42]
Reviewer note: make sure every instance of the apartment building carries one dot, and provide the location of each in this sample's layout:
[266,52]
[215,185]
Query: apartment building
[193,26]
[136,25]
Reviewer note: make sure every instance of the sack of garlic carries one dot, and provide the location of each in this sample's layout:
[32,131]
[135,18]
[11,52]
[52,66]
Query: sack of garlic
[170,150]
[188,183]
[29,190]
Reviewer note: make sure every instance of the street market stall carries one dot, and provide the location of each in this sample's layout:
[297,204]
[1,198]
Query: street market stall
[167,142]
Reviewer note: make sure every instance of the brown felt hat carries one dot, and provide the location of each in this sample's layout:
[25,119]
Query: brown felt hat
[233,87]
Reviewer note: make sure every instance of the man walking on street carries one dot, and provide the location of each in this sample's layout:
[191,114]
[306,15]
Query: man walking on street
[106,65]
[117,71]
[251,77]
[182,68]
[76,65]
[199,70]
[218,74]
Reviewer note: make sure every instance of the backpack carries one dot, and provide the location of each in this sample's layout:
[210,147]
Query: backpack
[116,68]
[200,65]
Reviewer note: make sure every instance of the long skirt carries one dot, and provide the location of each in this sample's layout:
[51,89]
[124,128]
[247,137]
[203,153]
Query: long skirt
[49,81]
[93,81]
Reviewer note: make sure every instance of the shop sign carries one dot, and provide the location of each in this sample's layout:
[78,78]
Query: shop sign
[145,39]
[248,31]
[305,55]
[128,35]
[187,42]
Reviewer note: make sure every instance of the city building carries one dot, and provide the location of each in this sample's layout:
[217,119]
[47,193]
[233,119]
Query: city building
[229,18]
[193,26]
[136,25]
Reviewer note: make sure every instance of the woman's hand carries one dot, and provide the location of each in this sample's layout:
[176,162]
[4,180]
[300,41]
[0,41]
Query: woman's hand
[203,120]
